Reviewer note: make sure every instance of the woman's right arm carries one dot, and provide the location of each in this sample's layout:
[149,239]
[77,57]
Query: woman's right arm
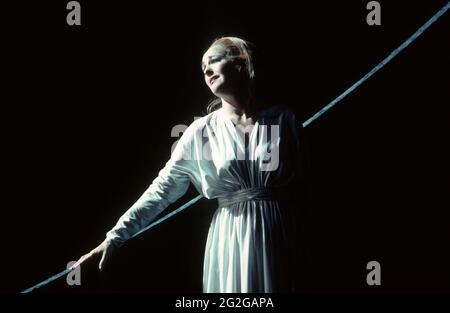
[171,183]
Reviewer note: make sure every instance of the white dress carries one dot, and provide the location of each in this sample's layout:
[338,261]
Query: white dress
[246,244]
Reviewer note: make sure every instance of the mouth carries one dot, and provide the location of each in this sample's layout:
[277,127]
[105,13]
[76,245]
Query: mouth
[212,79]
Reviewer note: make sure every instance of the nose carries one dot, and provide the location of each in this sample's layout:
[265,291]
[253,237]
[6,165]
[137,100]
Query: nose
[208,71]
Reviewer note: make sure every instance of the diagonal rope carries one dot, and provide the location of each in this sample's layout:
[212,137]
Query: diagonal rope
[48,281]
[167,216]
[391,56]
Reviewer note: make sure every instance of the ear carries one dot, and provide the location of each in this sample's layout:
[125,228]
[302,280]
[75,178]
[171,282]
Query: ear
[239,64]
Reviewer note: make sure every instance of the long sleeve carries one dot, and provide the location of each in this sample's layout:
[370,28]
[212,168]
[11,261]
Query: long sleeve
[171,183]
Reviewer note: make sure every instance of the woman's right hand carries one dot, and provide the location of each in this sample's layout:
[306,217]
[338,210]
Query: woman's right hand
[104,250]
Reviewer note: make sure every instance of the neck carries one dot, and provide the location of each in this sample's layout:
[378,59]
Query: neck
[236,107]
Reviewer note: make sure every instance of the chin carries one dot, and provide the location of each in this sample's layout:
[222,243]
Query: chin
[218,91]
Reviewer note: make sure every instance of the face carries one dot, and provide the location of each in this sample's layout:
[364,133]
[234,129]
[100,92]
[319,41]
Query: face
[221,75]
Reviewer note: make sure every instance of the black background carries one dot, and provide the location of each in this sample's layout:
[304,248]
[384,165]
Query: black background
[88,110]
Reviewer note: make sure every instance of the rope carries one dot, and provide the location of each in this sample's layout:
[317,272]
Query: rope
[392,55]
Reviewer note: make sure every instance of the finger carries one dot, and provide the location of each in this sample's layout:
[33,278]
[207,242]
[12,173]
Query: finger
[83,259]
[94,251]
[75,265]
[78,263]
[101,265]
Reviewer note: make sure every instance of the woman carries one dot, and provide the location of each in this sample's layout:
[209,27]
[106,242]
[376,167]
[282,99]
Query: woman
[243,154]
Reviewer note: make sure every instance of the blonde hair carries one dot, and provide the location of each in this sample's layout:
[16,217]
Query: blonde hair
[240,51]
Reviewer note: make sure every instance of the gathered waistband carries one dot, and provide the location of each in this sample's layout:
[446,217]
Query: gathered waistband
[258,193]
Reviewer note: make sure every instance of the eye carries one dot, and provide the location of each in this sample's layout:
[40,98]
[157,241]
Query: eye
[212,60]
[215,59]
